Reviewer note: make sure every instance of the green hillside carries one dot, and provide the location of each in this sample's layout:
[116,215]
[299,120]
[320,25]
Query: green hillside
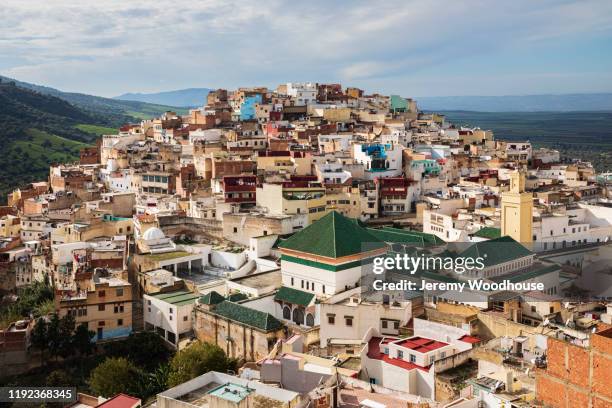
[42,125]
[37,130]
[584,135]
[122,111]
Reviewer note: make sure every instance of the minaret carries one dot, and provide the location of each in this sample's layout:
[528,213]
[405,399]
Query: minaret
[517,210]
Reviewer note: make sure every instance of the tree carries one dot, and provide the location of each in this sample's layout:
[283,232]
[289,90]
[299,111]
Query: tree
[145,349]
[39,337]
[44,308]
[154,382]
[115,375]
[65,330]
[81,340]
[196,360]
[82,343]
[59,378]
[53,335]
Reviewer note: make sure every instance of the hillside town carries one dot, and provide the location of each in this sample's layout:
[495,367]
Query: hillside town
[252,223]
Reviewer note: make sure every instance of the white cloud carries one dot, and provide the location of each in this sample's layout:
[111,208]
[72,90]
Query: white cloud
[109,47]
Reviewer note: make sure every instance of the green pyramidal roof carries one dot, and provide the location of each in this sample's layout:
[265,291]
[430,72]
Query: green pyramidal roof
[250,317]
[295,296]
[333,236]
[496,251]
[211,298]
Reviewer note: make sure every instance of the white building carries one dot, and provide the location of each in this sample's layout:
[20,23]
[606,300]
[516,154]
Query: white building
[303,93]
[349,315]
[169,314]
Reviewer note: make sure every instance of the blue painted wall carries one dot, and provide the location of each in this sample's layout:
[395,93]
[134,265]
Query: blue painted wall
[247,109]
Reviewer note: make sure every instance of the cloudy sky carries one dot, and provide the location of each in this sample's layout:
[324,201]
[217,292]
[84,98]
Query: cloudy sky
[415,48]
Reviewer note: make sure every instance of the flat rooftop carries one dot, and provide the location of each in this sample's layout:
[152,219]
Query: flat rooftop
[231,392]
[261,280]
[421,344]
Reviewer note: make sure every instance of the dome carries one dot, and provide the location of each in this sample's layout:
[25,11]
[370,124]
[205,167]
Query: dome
[153,233]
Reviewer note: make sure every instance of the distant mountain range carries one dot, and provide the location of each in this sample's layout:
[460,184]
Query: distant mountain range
[193,97]
[121,111]
[518,103]
[190,97]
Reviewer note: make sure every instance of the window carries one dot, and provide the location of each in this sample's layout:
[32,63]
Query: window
[348,320]
[533,309]
[443,354]
[384,324]
[291,281]
[400,354]
[120,322]
[432,359]
[185,318]
[235,230]
[101,308]
[331,319]
[170,310]
[323,288]
[101,293]
[412,358]
[120,292]
[396,325]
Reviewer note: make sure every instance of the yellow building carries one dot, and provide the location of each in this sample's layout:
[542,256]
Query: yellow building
[104,303]
[284,161]
[107,226]
[10,226]
[517,210]
[290,200]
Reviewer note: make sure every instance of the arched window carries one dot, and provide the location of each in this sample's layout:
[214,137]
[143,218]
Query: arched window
[298,316]
[286,313]
[309,320]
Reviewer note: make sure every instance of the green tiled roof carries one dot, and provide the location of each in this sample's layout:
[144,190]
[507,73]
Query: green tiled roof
[488,232]
[401,236]
[437,277]
[178,298]
[247,316]
[294,296]
[496,251]
[333,236]
[529,274]
[211,298]
[237,297]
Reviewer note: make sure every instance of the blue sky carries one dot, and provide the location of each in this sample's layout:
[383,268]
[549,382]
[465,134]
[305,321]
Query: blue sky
[414,48]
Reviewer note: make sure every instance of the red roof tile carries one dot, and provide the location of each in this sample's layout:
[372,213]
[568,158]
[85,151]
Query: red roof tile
[421,344]
[120,401]
[470,339]
[375,353]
